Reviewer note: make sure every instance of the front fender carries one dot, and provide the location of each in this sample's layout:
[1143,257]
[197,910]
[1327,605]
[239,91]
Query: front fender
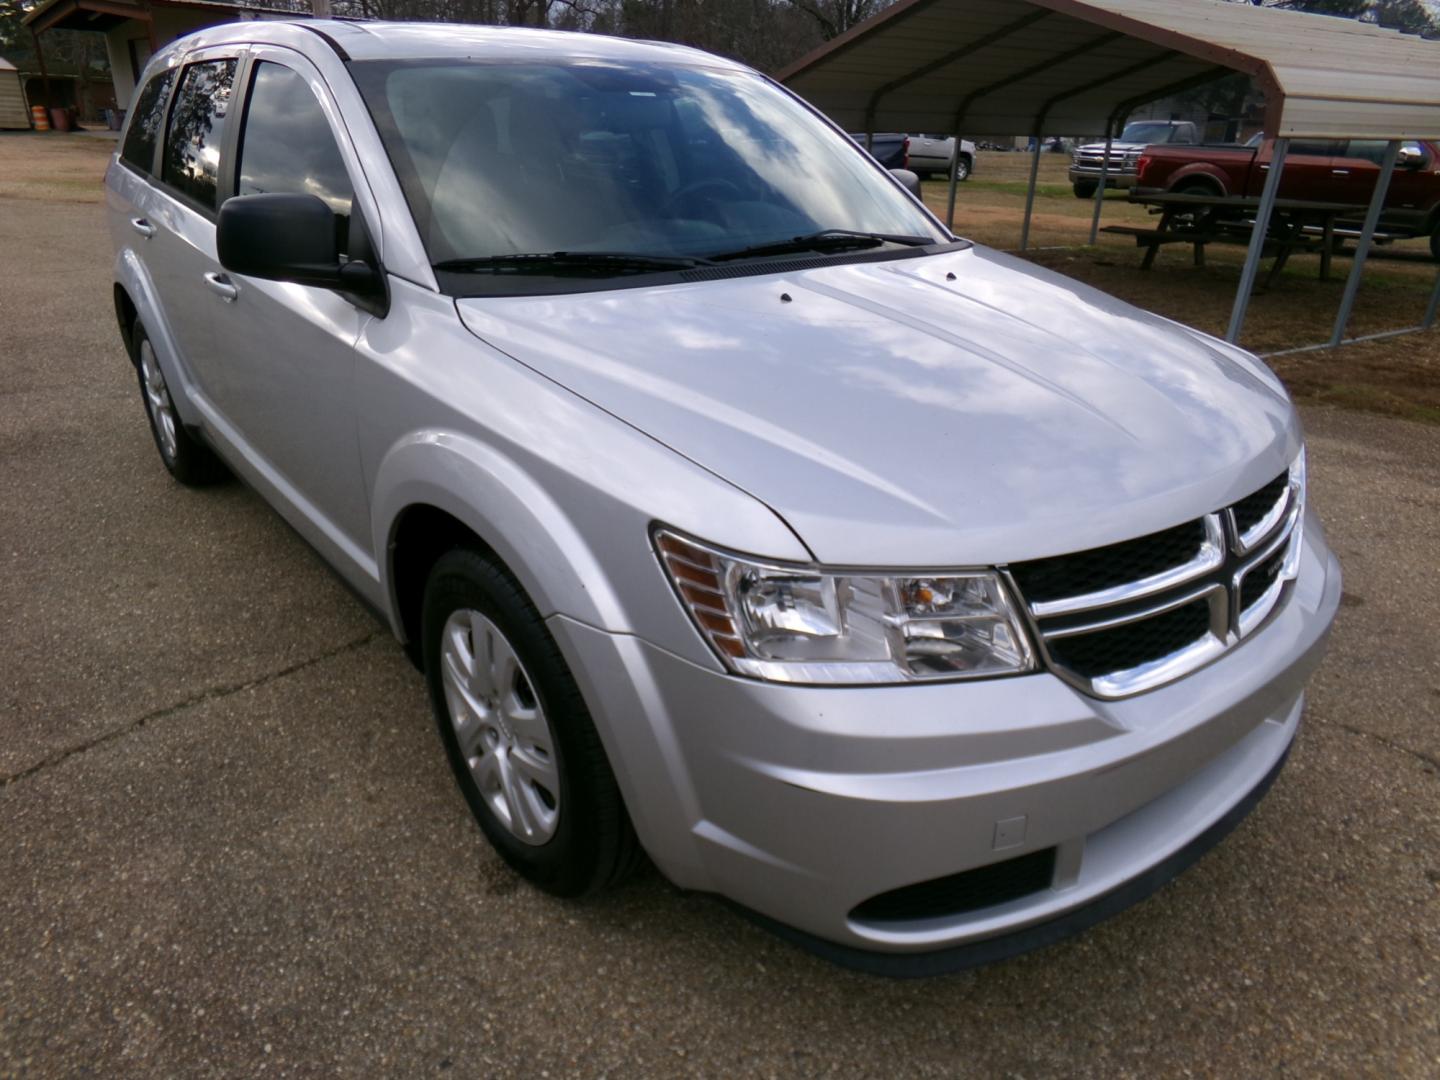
[526,527]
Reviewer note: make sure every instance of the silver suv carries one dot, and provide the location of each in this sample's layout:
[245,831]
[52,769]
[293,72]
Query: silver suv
[925,604]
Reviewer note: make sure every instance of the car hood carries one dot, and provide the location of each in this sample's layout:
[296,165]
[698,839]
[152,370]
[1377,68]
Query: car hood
[960,408]
[1115,147]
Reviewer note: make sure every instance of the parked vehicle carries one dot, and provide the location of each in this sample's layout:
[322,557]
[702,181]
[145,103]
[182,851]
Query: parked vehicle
[933,155]
[922,602]
[1089,160]
[1332,170]
[891,149]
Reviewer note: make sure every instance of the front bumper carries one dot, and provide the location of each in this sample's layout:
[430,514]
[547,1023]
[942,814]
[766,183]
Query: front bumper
[1113,178]
[799,803]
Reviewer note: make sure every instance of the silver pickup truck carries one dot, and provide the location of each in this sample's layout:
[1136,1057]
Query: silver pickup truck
[1086,165]
[931,155]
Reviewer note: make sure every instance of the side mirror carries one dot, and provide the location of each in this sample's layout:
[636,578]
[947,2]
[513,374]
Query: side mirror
[1410,157]
[909,179]
[290,238]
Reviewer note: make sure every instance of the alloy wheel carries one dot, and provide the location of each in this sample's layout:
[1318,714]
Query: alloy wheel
[157,400]
[500,726]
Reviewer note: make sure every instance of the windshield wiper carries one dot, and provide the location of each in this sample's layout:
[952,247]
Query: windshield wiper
[567,262]
[824,240]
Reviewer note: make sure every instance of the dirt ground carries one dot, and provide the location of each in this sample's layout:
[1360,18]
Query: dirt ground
[1396,377]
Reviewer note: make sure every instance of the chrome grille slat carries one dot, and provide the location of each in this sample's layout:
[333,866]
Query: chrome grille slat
[1249,539]
[1209,557]
[1217,572]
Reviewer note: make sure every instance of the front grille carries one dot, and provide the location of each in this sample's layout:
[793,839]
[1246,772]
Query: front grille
[1251,510]
[1184,594]
[1119,162]
[1121,648]
[1259,580]
[957,894]
[1042,580]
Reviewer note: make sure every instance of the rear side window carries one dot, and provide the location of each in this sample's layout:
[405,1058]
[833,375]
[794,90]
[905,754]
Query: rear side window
[1312,148]
[146,122]
[286,144]
[191,162]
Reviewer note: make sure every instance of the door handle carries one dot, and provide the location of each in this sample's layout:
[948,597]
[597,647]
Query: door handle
[143,227]
[1265,166]
[222,286]
[1339,172]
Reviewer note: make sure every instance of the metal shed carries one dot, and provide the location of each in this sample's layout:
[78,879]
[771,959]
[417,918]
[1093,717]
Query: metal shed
[998,67]
[13,113]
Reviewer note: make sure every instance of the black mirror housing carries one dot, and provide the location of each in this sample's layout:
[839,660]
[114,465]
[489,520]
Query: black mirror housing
[909,179]
[294,238]
[280,238]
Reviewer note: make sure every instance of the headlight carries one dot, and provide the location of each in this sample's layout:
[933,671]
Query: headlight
[805,624]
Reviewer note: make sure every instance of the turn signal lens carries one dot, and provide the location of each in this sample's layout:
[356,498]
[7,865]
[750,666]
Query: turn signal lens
[805,624]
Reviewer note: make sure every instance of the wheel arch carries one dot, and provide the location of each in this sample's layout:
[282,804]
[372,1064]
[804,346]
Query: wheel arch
[137,301]
[1195,176]
[126,315]
[437,490]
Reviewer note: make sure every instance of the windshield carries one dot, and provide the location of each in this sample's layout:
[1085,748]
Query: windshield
[1147,133]
[500,159]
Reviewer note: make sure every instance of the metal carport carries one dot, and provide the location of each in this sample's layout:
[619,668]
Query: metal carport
[999,67]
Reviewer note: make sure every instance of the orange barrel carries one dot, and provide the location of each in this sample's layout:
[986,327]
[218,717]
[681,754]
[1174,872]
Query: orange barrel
[37,114]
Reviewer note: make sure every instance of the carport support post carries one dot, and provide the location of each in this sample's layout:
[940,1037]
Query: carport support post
[1257,240]
[1100,190]
[44,74]
[954,178]
[1367,234]
[1030,195]
[1434,308]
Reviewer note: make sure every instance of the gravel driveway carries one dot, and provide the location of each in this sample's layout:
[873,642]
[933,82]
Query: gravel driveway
[229,843]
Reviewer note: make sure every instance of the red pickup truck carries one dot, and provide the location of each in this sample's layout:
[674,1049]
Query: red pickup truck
[1339,170]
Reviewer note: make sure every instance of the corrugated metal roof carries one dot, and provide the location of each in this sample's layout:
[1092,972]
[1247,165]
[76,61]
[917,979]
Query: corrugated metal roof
[1004,67]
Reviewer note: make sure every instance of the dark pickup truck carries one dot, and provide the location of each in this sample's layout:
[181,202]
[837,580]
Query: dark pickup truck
[1336,171]
[888,148]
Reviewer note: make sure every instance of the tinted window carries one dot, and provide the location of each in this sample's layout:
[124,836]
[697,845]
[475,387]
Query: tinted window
[197,125]
[146,121]
[1366,150]
[1374,149]
[1312,148]
[286,143]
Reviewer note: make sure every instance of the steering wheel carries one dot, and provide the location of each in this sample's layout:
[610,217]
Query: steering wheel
[715,184]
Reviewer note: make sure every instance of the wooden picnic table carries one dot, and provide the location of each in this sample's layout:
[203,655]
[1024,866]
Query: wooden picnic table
[1198,220]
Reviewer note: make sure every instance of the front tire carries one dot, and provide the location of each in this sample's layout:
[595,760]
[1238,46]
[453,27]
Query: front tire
[962,168]
[517,733]
[1084,189]
[186,458]
[1435,244]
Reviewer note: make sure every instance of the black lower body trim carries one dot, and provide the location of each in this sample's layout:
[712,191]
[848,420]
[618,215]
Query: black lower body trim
[989,950]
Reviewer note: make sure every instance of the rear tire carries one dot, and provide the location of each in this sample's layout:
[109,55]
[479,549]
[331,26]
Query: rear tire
[519,738]
[1084,189]
[186,458]
[1435,244]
